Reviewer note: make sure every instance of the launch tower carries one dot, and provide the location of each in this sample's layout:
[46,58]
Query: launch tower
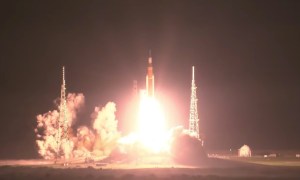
[193,120]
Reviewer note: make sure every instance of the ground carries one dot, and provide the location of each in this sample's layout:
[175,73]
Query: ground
[212,168]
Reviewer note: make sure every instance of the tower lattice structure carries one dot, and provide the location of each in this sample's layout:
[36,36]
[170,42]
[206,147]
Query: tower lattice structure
[194,120]
[63,109]
[63,124]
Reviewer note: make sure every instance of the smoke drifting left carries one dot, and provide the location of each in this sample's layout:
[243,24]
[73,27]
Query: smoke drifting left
[84,142]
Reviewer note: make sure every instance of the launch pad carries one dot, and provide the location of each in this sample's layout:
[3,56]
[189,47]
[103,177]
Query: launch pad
[211,169]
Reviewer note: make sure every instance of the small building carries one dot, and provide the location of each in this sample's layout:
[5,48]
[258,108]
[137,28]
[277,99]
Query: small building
[272,155]
[244,151]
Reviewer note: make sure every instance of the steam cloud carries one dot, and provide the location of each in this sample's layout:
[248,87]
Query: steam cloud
[97,142]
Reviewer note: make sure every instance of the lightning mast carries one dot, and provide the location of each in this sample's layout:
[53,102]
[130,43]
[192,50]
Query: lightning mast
[194,120]
[63,124]
[63,109]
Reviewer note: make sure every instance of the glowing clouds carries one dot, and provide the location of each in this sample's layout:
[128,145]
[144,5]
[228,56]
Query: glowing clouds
[105,125]
[96,143]
[47,129]
[85,139]
[74,103]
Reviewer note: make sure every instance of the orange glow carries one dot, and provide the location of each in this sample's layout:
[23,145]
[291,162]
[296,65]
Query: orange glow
[151,134]
[152,126]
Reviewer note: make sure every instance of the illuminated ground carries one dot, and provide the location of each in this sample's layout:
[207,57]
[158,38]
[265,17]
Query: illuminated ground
[212,169]
[271,161]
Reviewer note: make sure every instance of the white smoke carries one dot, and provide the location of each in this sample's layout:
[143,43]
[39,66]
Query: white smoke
[95,143]
[74,103]
[48,132]
[105,125]
[84,142]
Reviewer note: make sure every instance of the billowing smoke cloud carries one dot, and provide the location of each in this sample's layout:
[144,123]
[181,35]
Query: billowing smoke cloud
[182,149]
[74,103]
[105,125]
[84,142]
[186,149]
[48,132]
[96,143]
[99,142]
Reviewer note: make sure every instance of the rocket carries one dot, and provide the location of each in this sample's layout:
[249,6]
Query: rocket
[150,78]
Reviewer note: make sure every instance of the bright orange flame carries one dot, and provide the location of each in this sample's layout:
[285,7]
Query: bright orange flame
[152,126]
[151,134]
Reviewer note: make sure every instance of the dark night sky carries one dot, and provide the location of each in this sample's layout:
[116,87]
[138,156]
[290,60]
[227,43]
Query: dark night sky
[246,55]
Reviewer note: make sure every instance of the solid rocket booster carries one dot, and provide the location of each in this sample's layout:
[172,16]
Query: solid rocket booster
[150,78]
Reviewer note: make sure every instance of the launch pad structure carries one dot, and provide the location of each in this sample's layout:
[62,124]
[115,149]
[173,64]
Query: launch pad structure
[193,118]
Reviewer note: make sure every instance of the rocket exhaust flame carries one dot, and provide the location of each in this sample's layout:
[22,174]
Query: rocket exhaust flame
[151,134]
[152,128]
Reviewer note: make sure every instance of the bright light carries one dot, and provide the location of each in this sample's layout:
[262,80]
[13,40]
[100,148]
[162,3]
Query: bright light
[151,135]
[152,128]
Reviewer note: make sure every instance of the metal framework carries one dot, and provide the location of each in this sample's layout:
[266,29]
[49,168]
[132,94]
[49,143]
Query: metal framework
[63,109]
[194,120]
[62,124]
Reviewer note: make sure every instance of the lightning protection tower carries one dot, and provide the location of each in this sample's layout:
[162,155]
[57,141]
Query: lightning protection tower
[194,121]
[63,124]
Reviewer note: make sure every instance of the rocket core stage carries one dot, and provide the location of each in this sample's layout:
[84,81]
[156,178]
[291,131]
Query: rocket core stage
[150,78]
